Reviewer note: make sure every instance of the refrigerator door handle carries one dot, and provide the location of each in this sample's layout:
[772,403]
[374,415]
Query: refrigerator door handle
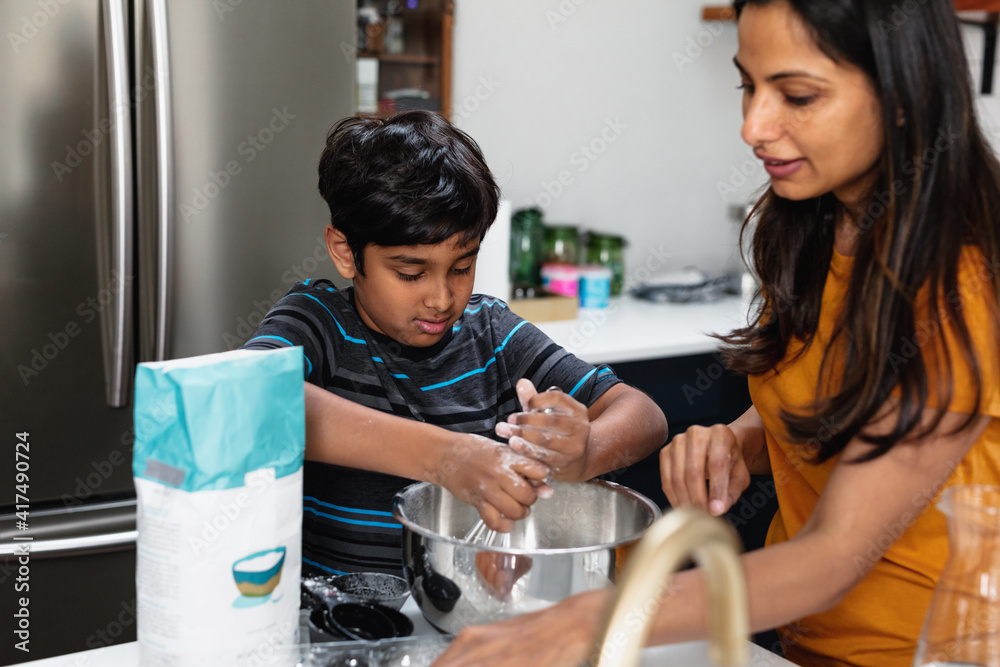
[160,37]
[73,546]
[109,526]
[118,375]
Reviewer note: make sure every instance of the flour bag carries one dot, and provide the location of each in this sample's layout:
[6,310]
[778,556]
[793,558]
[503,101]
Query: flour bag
[218,477]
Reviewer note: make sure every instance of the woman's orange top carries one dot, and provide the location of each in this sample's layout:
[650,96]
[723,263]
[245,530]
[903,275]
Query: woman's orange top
[878,623]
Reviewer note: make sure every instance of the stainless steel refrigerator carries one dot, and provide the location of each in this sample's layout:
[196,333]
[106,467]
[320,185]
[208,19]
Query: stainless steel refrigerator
[157,194]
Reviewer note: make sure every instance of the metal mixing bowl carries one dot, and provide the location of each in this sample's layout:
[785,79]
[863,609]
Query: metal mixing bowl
[572,542]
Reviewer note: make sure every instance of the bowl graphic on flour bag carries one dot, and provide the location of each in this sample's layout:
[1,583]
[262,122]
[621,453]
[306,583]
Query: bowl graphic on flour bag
[258,574]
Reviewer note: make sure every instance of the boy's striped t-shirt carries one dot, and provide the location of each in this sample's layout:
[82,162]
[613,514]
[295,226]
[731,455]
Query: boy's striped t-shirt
[463,383]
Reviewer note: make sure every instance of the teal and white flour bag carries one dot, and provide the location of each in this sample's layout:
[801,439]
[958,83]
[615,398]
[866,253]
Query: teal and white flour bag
[219,443]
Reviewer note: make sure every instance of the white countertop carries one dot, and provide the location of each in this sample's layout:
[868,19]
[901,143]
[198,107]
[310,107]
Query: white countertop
[692,654]
[634,330]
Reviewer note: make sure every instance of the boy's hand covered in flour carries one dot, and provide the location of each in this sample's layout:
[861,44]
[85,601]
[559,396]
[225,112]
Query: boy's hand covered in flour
[502,484]
[554,428]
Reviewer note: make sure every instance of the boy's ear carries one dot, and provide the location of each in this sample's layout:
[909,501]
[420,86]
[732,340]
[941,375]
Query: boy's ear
[340,252]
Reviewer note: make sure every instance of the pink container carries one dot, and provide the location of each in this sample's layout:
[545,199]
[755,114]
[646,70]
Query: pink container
[561,279]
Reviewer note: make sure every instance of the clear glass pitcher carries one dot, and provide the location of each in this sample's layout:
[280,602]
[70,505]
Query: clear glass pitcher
[963,623]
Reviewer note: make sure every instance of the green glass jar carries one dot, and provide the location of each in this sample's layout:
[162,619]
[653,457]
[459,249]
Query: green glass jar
[527,248]
[608,250]
[562,244]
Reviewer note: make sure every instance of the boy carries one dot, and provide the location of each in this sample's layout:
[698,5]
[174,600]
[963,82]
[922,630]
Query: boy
[409,375]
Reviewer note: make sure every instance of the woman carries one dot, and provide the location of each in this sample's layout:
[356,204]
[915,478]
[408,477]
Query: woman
[872,359]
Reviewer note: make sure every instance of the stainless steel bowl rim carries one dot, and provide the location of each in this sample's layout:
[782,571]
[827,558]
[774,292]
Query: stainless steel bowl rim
[517,551]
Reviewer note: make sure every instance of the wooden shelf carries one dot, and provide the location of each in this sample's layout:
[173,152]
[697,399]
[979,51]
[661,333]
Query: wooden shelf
[425,63]
[718,13]
[977,5]
[404,58]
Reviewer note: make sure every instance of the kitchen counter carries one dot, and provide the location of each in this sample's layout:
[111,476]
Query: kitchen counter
[692,654]
[629,330]
[634,330]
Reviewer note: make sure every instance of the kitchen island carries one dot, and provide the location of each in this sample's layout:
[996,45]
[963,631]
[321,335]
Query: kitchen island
[692,654]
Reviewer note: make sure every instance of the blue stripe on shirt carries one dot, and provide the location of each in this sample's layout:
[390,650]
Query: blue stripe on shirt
[478,370]
[283,340]
[356,522]
[488,304]
[353,510]
[340,328]
[580,383]
[323,567]
[400,376]
[290,344]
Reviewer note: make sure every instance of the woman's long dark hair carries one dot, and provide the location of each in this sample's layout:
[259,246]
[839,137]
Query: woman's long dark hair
[938,189]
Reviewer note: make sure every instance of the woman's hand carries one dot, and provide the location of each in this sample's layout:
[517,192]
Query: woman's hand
[500,571]
[489,475]
[713,453]
[560,636]
[554,428]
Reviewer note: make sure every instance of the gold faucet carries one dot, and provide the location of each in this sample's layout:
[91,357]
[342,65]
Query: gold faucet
[680,535]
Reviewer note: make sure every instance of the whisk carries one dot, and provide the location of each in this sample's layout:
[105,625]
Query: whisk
[481,535]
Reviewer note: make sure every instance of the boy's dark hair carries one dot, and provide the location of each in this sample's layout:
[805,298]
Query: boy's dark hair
[411,179]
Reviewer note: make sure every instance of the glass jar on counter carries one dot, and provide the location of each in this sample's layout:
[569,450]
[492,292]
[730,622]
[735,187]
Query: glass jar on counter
[562,244]
[527,248]
[608,250]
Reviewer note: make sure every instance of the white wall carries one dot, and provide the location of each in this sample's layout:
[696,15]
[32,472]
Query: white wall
[536,80]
